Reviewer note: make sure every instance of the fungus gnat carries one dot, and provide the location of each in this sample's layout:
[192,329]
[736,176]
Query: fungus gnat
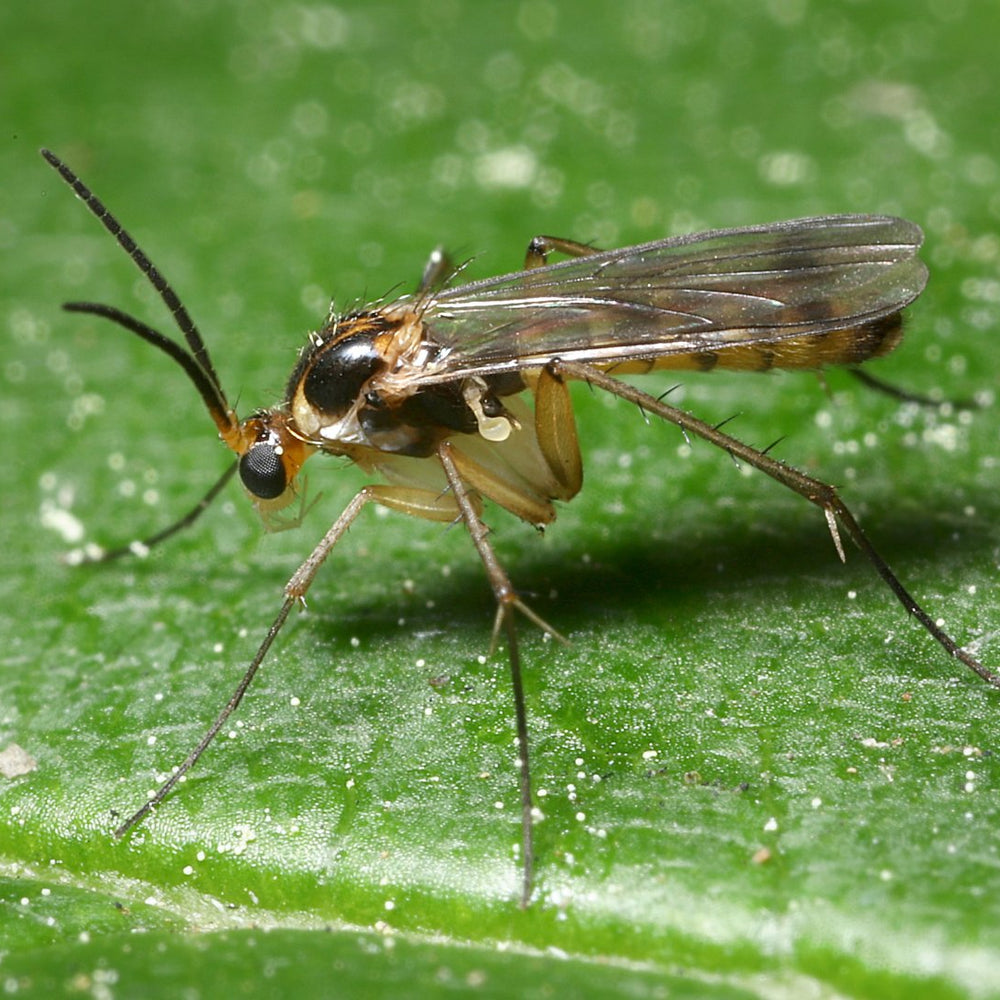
[458,394]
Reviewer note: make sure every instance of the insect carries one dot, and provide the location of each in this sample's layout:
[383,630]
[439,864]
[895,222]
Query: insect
[458,394]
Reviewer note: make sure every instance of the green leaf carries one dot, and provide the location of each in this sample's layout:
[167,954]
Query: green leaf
[757,775]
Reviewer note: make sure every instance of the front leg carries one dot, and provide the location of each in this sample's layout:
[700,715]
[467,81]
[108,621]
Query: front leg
[409,500]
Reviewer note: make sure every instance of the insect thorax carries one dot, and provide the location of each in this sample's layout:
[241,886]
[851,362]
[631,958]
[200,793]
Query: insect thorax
[359,383]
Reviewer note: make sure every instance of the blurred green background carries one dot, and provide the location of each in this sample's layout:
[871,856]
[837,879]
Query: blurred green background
[759,777]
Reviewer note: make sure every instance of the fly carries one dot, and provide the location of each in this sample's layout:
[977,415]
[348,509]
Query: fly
[458,394]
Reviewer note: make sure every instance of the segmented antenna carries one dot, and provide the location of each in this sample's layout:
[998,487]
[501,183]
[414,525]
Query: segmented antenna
[196,362]
[181,316]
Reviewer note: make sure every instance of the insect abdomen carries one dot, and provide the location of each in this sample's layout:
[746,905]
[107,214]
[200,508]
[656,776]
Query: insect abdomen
[850,346]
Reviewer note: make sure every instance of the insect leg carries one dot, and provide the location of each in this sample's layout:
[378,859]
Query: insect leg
[164,533]
[417,502]
[880,385]
[192,758]
[815,491]
[555,428]
[437,271]
[507,602]
[540,247]
[409,500]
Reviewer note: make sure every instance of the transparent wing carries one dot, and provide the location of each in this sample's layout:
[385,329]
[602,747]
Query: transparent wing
[724,288]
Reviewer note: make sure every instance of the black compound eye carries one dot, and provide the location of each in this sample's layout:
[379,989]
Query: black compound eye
[333,382]
[262,471]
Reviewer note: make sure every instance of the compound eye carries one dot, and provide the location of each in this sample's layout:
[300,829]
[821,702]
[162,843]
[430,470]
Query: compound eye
[262,471]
